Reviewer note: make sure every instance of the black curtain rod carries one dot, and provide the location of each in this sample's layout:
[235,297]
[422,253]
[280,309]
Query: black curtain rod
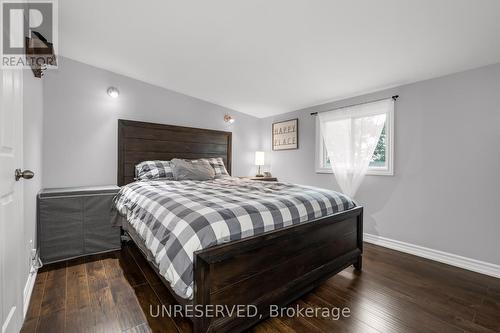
[395,97]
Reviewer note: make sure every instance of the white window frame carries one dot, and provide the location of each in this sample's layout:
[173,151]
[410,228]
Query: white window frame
[387,170]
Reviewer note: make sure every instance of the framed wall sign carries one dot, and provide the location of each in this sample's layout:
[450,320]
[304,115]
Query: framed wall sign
[286,135]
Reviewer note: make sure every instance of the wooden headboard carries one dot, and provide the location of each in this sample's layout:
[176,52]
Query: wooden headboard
[139,141]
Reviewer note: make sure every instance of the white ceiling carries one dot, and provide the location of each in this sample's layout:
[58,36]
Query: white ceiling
[265,57]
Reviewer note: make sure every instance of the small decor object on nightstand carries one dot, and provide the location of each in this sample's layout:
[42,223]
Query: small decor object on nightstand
[259,161]
[286,135]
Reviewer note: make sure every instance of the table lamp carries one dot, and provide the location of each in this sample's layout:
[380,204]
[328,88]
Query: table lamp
[259,161]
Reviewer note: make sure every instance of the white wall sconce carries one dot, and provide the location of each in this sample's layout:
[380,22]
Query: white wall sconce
[228,119]
[113,92]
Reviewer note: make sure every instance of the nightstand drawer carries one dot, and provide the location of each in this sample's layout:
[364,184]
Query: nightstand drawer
[60,235]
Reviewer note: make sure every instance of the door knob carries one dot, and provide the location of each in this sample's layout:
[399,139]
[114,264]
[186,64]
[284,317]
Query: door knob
[26,174]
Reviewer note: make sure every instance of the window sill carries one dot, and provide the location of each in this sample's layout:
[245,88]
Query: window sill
[372,172]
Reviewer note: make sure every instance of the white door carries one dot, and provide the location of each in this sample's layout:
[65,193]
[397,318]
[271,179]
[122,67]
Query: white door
[11,201]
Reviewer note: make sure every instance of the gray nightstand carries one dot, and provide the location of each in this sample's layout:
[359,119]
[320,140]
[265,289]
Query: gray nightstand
[264,179]
[76,221]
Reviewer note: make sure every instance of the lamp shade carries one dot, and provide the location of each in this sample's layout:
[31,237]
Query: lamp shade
[259,158]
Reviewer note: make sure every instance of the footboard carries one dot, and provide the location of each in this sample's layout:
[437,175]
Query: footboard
[274,268]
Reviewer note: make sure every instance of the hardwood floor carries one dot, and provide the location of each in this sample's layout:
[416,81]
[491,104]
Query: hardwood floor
[395,292]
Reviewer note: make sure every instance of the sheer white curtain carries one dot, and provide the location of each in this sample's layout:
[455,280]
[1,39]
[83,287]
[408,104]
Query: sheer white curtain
[350,136]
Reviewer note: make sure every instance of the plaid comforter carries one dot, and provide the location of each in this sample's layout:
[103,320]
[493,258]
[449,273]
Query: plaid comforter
[177,218]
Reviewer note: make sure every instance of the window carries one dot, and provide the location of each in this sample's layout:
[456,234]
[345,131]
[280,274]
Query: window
[382,162]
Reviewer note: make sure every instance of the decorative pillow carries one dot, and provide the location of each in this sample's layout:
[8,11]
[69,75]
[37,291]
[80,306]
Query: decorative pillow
[154,170]
[192,170]
[218,165]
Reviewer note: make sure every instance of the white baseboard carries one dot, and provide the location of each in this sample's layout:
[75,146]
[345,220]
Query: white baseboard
[28,289]
[444,257]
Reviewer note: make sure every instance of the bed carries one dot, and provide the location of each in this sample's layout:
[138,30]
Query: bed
[258,265]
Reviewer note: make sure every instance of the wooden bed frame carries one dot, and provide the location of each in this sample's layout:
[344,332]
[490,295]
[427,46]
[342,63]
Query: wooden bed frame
[273,268]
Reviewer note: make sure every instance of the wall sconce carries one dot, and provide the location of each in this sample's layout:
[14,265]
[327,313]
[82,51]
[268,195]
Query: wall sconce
[113,92]
[228,119]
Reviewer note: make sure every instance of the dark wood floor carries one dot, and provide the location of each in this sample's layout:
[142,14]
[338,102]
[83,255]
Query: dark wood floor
[395,292]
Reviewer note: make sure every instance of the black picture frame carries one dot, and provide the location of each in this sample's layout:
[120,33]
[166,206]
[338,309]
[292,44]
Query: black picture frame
[286,135]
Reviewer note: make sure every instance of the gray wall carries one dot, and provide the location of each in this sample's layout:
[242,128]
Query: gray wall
[32,157]
[446,187]
[80,122]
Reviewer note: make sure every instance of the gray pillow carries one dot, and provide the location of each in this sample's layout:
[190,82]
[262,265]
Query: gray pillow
[187,170]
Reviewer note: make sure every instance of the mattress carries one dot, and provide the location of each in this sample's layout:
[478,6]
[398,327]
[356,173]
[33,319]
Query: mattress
[176,218]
